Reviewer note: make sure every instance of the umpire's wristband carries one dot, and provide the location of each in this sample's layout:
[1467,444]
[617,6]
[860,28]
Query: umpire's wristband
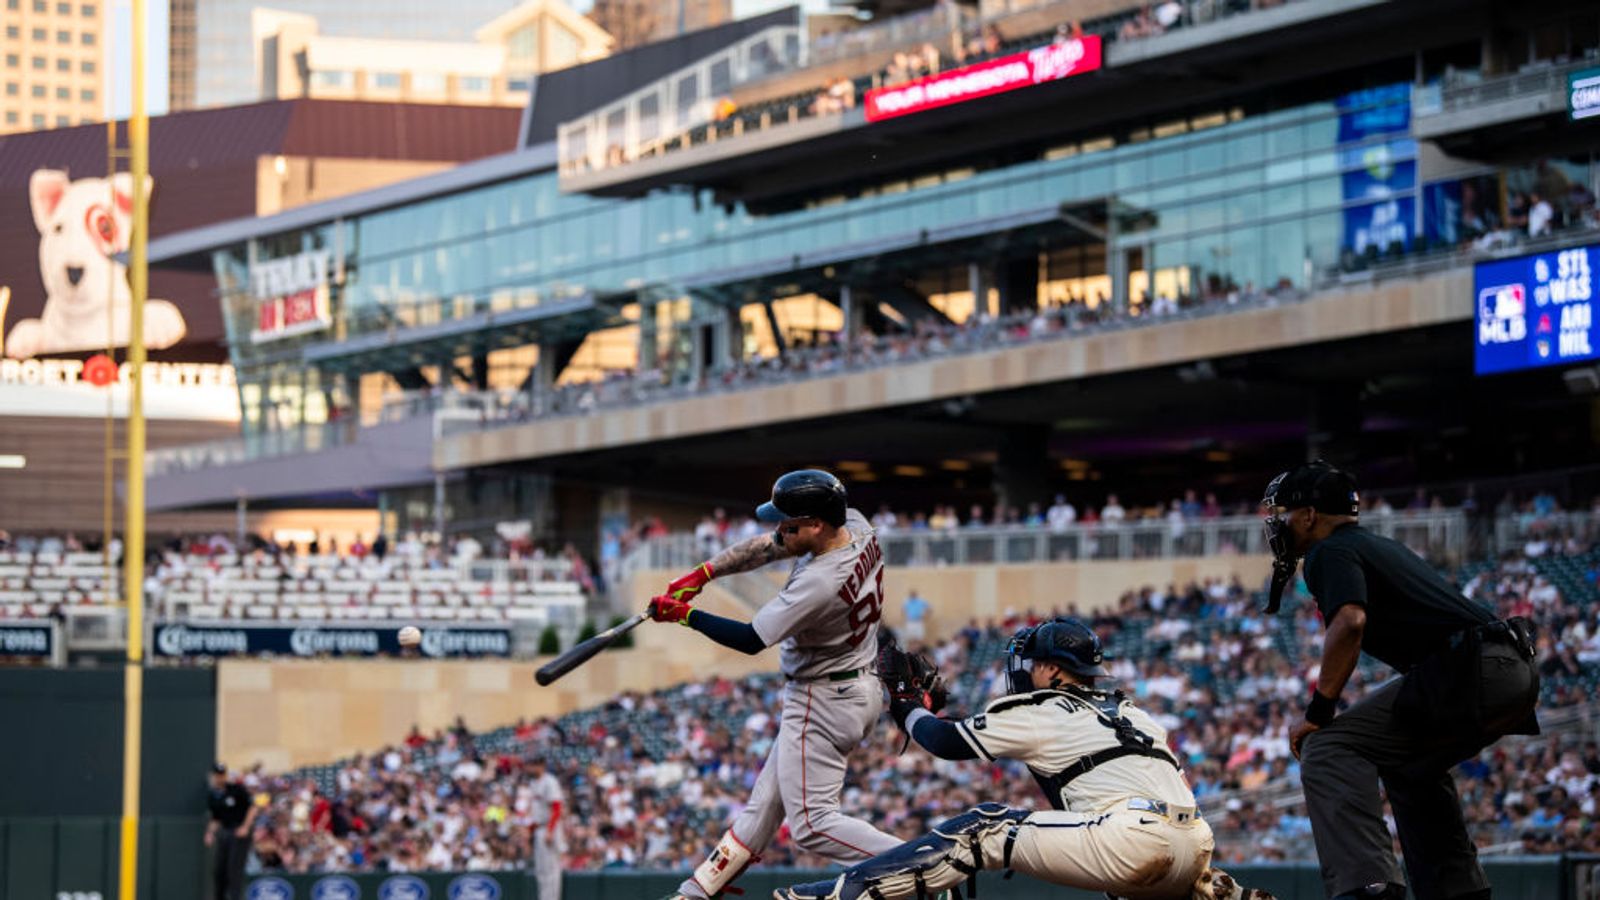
[1321,709]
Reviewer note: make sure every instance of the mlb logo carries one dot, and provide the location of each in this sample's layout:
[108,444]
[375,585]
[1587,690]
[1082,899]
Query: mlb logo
[1502,303]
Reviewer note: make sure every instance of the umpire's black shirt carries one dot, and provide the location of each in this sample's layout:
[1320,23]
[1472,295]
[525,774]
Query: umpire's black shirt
[1411,610]
[229,806]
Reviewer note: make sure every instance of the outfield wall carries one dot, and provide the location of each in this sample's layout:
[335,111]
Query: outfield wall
[1513,878]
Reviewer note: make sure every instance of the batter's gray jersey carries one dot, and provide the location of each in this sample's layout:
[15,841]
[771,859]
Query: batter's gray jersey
[827,614]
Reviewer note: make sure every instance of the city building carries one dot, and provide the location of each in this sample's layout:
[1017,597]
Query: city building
[52,64]
[214,59]
[495,70]
[62,224]
[701,268]
[635,23]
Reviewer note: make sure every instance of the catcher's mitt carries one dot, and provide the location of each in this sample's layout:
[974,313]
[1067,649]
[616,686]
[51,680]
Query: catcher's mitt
[913,681]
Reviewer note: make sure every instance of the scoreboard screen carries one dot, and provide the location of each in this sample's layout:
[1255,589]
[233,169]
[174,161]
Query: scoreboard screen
[1536,310]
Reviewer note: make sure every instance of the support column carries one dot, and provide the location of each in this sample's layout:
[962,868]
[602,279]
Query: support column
[438,505]
[1115,269]
[852,315]
[647,332]
[1022,473]
[978,285]
[241,521]
[724,331]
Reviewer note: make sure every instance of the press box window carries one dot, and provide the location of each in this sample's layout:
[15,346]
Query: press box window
[386,81]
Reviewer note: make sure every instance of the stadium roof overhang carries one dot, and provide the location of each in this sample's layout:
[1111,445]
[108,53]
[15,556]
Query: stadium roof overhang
[864,262]
[1177,71]
[419,345]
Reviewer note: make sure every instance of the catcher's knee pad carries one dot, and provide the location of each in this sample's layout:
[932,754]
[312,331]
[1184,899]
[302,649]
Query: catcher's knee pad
[943,858]
[726,862]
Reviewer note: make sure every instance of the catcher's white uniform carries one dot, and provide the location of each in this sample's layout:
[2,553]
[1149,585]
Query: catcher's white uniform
[1124,820]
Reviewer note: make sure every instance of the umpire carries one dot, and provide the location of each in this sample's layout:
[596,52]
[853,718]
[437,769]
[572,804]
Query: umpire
[228,833]
[1467,679]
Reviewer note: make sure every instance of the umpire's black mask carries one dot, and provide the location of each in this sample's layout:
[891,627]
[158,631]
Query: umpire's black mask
[1318,486]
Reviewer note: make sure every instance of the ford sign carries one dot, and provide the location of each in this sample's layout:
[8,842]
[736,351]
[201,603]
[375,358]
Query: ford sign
[336,887]
[403,887]
[474,887]
[270,889]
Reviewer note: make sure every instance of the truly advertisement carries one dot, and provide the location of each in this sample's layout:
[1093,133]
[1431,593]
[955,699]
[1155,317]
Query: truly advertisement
[1007,73]
[190,639]
[291,296]
[1536,310]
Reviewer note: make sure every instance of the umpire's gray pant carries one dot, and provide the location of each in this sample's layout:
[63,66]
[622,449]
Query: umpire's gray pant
[1340,769]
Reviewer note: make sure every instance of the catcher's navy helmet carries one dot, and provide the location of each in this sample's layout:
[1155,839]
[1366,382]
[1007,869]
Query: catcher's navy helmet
[1063,641]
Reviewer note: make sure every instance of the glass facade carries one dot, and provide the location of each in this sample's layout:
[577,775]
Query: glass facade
[1219,202]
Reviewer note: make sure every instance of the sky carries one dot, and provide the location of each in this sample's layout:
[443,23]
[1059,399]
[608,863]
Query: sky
[119,72]
[120,94]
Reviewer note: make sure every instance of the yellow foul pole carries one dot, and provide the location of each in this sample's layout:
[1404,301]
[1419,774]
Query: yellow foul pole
[133,538]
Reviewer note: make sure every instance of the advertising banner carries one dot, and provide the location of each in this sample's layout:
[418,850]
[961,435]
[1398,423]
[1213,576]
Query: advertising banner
[29,640]
[1052,62]
[212,638]
[1583,94]
[1536,310]
[291,296]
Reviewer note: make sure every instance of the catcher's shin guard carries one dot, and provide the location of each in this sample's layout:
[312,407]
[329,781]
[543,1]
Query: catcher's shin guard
[727,862]
[944,858]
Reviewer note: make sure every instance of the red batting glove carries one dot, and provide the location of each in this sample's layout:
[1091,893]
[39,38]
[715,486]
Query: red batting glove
[666,609]
[687,587]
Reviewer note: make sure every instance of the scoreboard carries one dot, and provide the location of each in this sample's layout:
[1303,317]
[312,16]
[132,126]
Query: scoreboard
[1536,310]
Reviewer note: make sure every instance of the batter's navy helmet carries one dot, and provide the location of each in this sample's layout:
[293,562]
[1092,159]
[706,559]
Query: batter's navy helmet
[806,493]
[1066,642]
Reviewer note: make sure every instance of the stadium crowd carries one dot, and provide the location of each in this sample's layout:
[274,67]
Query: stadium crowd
[649,777]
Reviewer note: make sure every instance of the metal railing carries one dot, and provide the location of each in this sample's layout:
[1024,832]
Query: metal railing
[1431,532]
[581,152]
[1513,531]
[1466,91]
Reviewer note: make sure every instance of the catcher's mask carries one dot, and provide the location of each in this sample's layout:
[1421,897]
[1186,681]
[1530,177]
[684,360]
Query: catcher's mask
[1066,642]
[1317,485]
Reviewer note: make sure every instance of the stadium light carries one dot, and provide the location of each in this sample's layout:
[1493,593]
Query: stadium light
[13,461]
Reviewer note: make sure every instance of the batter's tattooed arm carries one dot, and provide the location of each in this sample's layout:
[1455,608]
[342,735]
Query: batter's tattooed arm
[748,555]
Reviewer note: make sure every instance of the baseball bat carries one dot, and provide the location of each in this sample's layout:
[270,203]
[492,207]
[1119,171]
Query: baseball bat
[580,654]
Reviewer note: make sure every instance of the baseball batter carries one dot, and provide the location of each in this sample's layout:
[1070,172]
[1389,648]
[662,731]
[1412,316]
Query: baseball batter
[547,800]
[825,621]
[1124,819]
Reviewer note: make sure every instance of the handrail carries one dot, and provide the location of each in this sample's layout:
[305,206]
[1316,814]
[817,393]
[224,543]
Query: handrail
[1433,531]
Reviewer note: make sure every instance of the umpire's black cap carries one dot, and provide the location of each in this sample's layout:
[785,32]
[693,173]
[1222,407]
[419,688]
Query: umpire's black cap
[1320,485]
[806,493]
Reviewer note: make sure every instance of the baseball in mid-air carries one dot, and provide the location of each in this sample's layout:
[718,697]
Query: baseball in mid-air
[410,636]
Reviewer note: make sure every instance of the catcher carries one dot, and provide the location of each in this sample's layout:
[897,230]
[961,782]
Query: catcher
[1124,819]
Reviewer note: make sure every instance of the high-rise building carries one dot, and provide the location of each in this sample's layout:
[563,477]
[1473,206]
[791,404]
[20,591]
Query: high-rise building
[637,22]
[214,60]
[497,69]
[51,63]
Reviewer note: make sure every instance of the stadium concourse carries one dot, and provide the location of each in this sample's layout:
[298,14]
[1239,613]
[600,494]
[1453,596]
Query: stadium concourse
[649,776]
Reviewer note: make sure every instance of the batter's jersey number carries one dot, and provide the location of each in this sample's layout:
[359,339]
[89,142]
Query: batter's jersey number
[867,609]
